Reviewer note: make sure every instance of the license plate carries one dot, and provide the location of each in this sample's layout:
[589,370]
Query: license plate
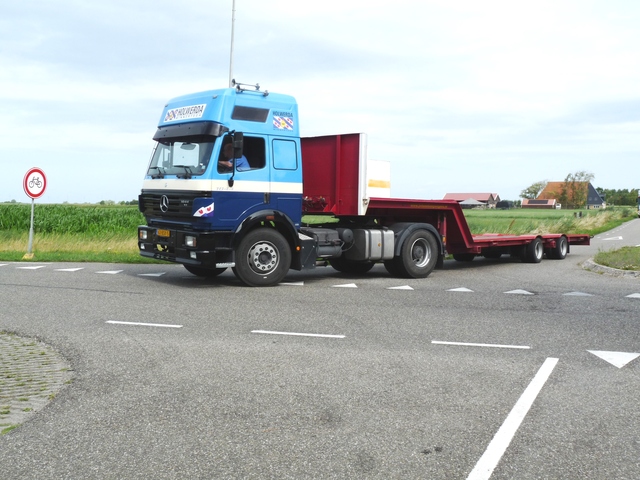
[163,233]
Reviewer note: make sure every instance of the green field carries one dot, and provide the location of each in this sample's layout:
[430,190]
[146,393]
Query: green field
[108,233]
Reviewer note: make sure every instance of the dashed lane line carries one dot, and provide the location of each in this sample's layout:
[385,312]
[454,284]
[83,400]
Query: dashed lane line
[140,324]
[490,345]
[297,334]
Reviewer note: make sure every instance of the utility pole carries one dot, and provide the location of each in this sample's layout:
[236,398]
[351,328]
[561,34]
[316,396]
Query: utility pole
[233,20]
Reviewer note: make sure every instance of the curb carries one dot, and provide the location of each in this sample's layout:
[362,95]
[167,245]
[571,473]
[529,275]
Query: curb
[614,272]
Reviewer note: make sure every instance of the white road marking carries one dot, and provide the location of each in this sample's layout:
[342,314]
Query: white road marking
[3,264]
[110,272]
[151,274]
[612,238]
[144,324]
[293,284]
[578,294]
[492,345]
[492,455]
[298,334]
[617,359]
[461,289]
[403,287]
[519,292]
[36,267]
[346,285]
[68,269]
[634,295]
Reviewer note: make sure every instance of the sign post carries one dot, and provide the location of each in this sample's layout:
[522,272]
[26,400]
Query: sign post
[34,184]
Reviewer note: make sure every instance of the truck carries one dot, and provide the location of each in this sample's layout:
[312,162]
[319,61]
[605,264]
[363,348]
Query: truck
[231,184]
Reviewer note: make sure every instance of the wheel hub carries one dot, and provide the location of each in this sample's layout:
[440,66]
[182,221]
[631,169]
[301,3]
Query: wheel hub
[263,257]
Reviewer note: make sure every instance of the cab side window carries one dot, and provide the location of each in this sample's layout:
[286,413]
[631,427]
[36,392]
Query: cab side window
[254,150]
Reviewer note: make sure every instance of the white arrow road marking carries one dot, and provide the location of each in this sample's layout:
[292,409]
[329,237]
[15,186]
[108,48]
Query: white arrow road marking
[491,345]
[69,269]
[634,295]
[578,294]
[492,455]
[617,359]
[519,292]
[297,334]
[32,268]
[138,324]
[110,272]
[151,274]
[293,284]
[346,285]
[403,287]
[461,289]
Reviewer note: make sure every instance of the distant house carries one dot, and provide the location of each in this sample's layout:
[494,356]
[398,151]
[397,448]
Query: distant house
[488,200]
[564,193]
[527,203]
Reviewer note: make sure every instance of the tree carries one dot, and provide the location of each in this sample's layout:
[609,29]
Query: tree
[619,197]
[575,189]
[534,190]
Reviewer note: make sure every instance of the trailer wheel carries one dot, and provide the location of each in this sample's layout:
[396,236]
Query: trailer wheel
[263,258]
[533,251]
[204,271]
[344,265]
[559,252]
[418,255]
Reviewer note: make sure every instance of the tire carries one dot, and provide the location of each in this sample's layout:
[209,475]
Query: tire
[534,251]
[344,265]
[204,271]
[418,255]
[560,251]
[263,258]
[464,257]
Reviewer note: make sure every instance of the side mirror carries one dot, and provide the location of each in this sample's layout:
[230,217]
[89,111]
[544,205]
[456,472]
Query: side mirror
[238,144]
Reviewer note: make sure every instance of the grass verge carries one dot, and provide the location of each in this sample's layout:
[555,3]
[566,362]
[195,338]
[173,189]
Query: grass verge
[625,258]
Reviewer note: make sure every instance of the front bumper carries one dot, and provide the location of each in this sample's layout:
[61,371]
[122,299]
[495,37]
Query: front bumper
[206,249]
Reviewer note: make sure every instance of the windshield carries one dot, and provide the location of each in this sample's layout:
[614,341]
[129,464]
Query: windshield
[184,159]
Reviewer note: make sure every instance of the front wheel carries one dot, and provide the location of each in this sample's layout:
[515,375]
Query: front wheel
[263,258]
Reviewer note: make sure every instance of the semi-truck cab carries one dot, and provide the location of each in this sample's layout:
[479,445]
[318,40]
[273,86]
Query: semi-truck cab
[230,179]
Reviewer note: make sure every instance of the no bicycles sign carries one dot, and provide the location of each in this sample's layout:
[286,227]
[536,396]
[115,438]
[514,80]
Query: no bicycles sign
[34,183]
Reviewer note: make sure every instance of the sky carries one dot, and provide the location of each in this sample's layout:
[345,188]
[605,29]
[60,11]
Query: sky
[458,95]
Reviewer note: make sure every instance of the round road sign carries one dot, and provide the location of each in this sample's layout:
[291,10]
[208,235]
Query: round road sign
[34,183]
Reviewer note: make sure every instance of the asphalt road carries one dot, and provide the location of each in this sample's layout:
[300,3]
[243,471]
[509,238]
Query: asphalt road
[181,377]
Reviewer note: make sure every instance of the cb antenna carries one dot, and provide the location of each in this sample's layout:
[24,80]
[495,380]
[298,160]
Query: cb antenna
[233,20]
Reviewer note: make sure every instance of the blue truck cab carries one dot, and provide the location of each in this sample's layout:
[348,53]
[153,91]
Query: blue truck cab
[199,203]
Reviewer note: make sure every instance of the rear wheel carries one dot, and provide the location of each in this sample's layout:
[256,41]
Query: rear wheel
[418,256]
[559,252]
[533,251]
[263,258]
[204,271]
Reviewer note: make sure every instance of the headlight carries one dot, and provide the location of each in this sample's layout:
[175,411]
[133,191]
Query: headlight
[142,234]
[190,241]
